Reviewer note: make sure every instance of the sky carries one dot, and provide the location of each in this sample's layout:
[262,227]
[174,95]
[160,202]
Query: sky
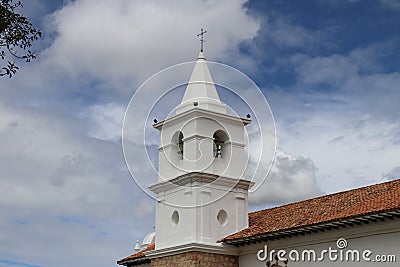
[330,70]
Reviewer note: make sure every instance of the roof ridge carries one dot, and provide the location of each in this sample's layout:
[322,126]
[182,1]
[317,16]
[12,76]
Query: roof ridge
[137,255]
[369,199]
[329,195]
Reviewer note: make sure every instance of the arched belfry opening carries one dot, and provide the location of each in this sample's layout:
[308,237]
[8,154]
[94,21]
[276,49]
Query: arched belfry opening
[180,145]
[177,141]
[220,138]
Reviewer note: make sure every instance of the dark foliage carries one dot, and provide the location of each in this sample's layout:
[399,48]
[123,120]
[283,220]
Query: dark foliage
[16,37]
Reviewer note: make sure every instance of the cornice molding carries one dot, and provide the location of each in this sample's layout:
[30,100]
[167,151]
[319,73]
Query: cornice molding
[192,247]
[200,178]
[201,113]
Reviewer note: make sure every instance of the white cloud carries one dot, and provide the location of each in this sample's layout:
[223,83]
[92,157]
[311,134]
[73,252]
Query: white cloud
[130,40]
[285,34]
[144,207]
[348,149]
[336,70]
[393,174]
[357,79]
[64,184]
[350,130]
[332,70]
[292,178]
[394,4]
[107,120]
[61,190]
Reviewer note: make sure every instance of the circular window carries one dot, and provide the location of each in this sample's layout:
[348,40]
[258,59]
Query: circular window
[222,217]
[175,218]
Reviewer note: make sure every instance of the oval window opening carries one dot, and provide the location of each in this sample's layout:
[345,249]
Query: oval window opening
[175,218]
[222,217]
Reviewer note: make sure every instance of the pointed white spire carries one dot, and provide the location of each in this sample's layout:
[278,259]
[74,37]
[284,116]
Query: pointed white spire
[201,91]
[137,246]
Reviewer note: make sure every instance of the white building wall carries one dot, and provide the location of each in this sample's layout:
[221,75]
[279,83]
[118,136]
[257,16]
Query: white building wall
[200,213]
[198,223]
[198,128]
[382,238]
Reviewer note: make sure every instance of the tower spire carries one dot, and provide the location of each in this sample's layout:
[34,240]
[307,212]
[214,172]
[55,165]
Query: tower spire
[201,91]
[201,189]
[202,32]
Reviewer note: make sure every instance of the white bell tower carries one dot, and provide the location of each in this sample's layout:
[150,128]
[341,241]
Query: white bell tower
[201,194]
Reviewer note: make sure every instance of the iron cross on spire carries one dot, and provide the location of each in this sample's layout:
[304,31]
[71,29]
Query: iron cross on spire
[202,32]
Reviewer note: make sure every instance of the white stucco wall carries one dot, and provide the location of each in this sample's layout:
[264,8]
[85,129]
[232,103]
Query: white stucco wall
[382,238]
[198,127]
[199,223]
[198,204]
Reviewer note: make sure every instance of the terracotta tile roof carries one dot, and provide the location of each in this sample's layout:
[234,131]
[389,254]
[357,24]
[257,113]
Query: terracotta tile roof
[344,205]
[137,255]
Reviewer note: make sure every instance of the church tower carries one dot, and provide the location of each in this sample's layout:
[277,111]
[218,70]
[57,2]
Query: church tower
[201,194]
